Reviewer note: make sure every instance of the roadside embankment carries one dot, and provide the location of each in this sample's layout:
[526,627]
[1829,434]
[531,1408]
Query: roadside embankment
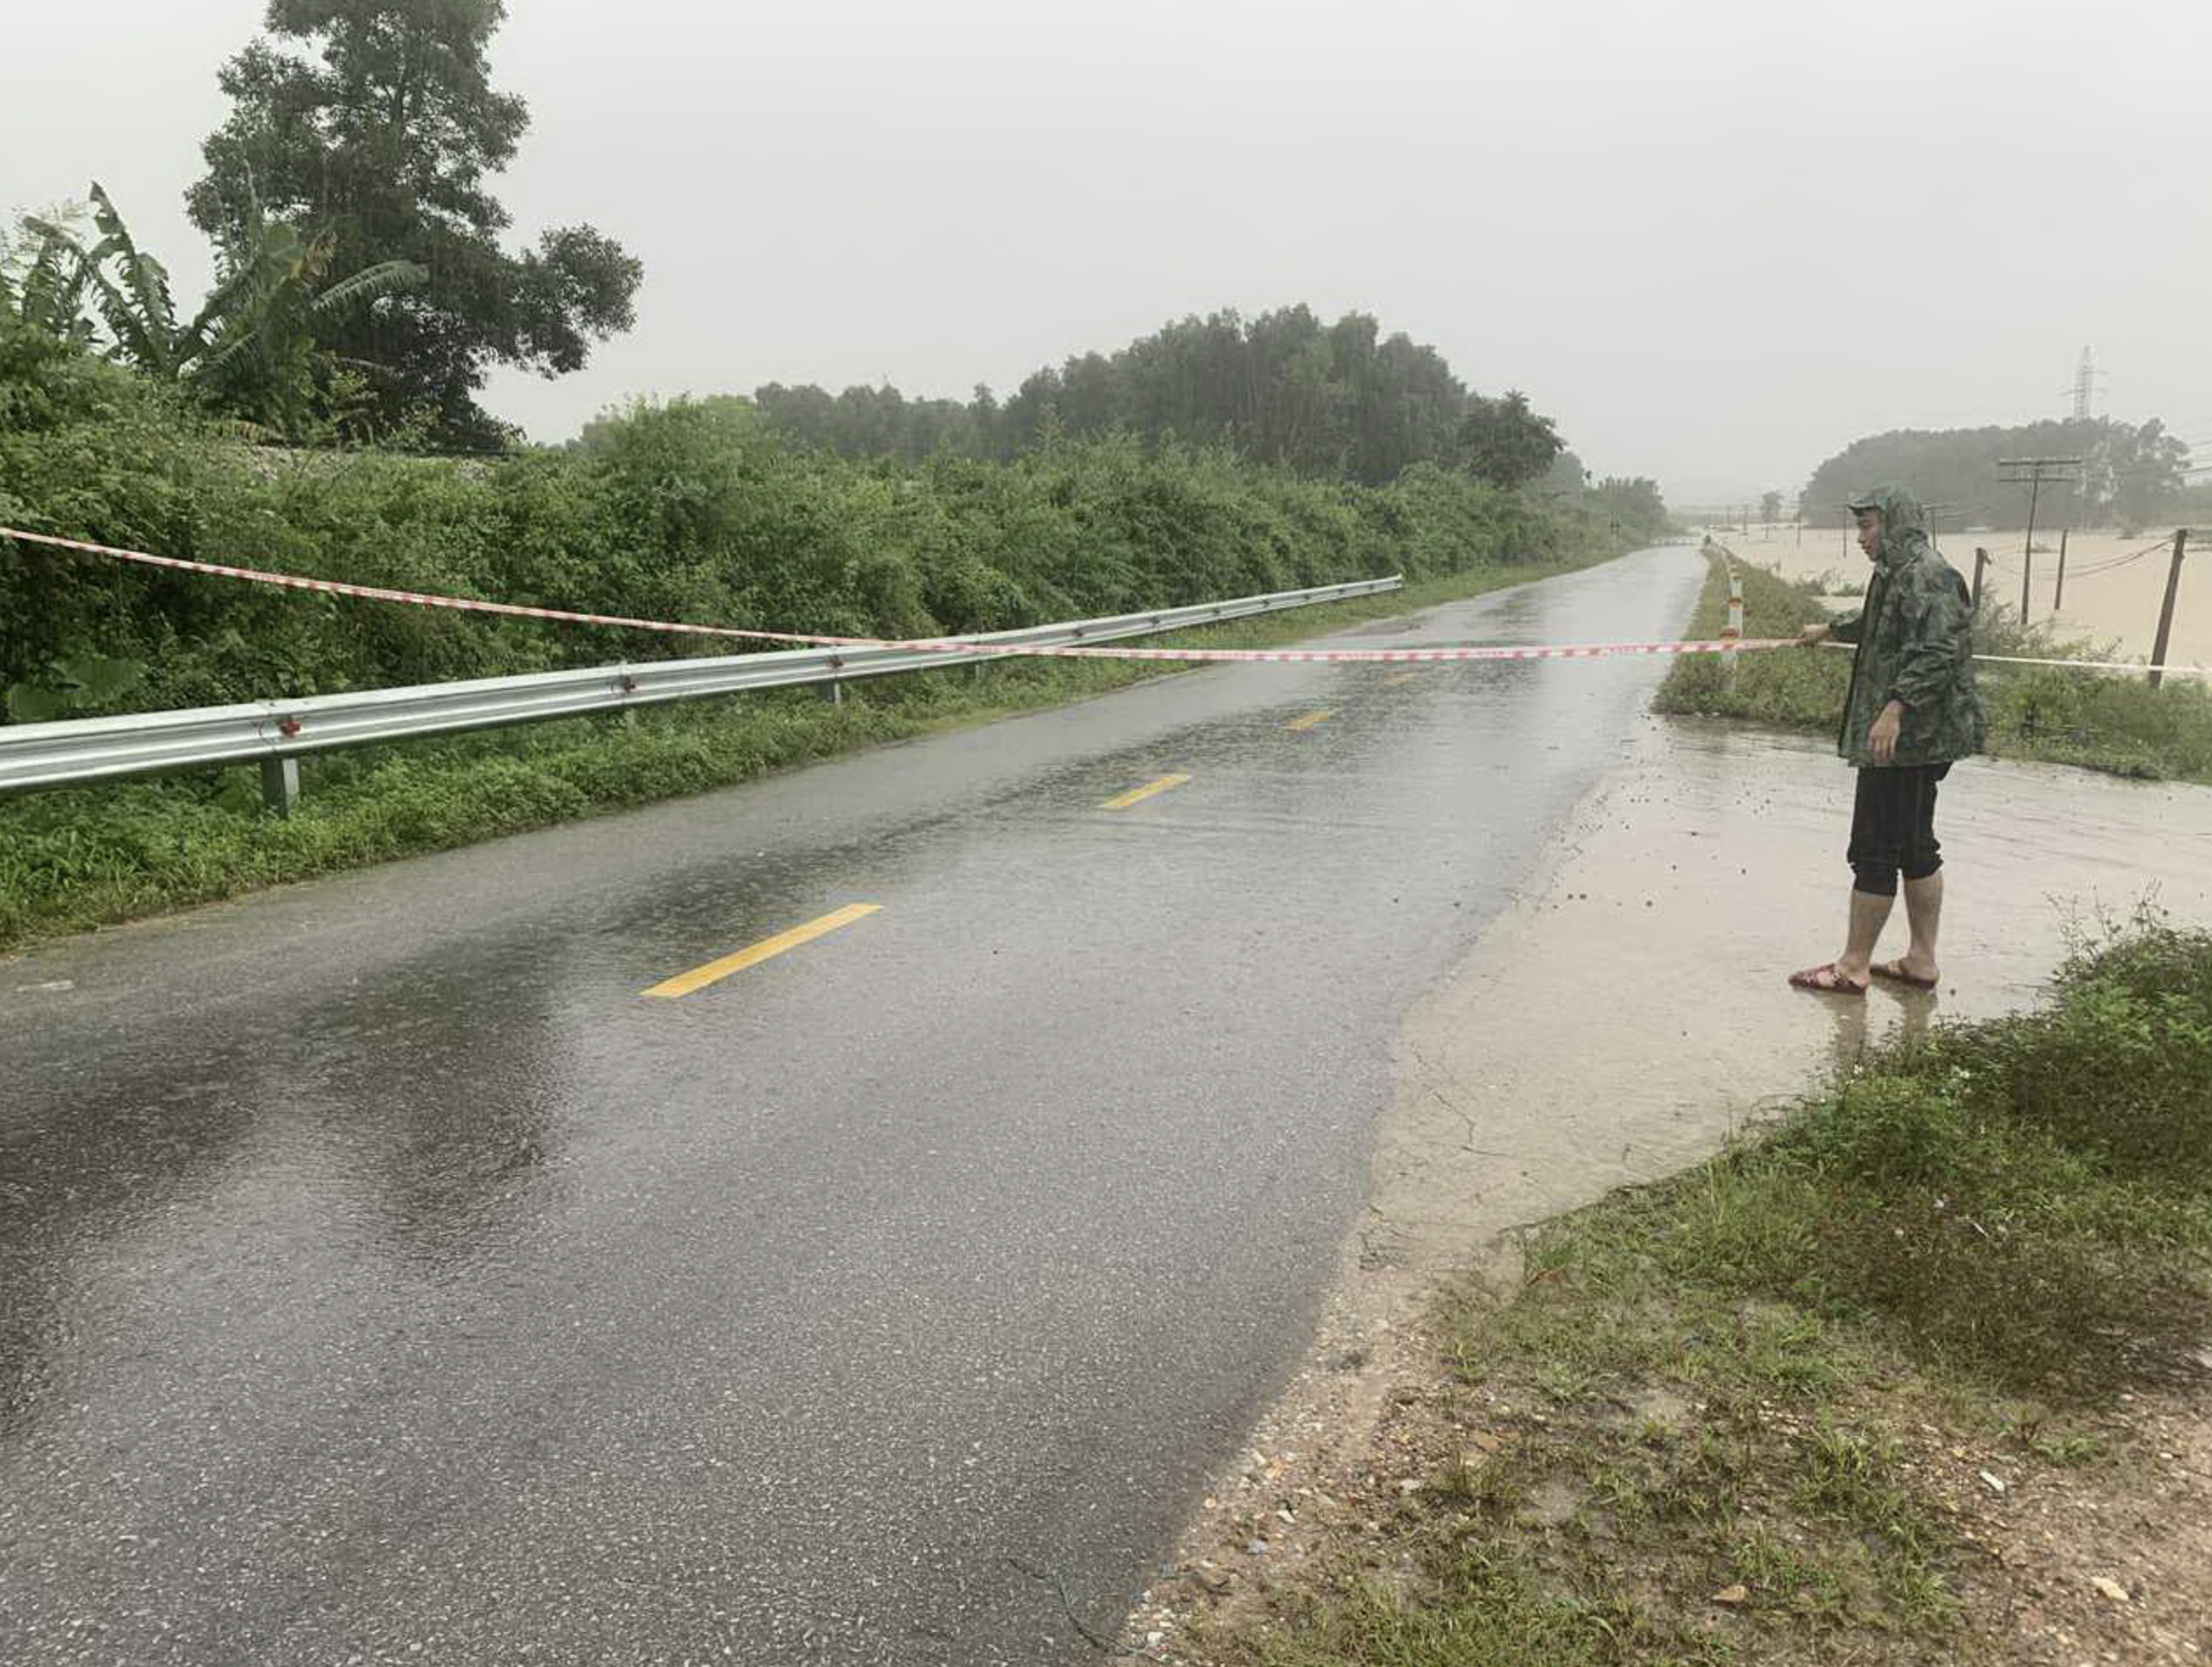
[1744,1412]
[688,511]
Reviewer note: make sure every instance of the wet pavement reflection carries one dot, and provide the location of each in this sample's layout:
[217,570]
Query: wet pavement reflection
[378,1270]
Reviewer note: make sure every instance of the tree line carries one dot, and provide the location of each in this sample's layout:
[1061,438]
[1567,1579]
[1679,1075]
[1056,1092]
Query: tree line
[689,510]
[1329,401]
[365,289]
[2131,473]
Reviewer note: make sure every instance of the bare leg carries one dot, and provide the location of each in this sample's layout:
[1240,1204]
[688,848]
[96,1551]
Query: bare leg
[1924,908]
[1869,914]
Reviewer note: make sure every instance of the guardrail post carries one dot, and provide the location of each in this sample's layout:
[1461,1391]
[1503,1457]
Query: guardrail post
[1733,631]
[280,783]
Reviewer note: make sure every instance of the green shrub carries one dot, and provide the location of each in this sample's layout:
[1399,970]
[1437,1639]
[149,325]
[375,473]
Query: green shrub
[684,511]
[2029,1200]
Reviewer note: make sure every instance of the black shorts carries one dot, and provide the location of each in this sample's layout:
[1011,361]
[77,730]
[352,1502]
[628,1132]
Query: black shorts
[1894,827]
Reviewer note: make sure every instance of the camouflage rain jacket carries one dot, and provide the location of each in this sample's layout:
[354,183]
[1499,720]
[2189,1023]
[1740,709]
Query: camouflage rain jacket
[1915,646]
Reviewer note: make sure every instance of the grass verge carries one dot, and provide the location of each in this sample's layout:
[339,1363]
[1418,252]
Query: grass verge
[1746,1414]
[92,856]
[2110,723]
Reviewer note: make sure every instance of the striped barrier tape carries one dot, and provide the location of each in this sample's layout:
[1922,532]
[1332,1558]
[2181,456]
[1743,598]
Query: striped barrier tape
[384,594]
[1395,655]
[423,599]
[2081,665]
[1191,656]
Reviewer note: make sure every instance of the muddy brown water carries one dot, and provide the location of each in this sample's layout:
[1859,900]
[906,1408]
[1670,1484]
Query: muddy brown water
[1630,1008]
[2115,585]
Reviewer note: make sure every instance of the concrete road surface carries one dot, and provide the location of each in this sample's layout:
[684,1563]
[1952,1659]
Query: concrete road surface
[481,1260]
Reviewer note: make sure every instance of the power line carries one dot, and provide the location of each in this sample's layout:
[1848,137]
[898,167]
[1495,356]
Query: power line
[2121,561]
[2032,471]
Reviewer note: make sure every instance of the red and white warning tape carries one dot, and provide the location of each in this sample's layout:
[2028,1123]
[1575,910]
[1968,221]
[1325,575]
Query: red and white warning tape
[1390,656]
[1197,656]
[382,594]
[2093,666]
[420,599]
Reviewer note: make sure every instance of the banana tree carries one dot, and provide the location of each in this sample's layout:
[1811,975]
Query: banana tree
[271,307]
[250,349]
[46,288]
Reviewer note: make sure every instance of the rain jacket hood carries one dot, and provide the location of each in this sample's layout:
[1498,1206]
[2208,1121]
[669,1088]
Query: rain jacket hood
[1904,525]
[1915,644]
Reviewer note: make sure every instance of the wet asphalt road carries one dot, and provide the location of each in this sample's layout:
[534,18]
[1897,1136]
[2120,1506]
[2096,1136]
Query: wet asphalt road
[384,1279]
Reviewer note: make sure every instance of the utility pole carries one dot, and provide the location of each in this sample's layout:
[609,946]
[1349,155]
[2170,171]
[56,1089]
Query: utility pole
[1981,560]
[2166,613]
[2032,472]
[1938,513]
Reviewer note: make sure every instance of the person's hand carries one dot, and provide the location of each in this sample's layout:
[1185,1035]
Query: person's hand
[1814,635]
[1881,740]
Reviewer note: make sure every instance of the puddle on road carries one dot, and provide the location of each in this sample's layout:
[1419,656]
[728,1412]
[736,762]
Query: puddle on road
[1629,1008]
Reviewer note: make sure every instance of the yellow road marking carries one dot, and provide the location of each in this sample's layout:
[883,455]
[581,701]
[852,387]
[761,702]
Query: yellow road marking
[1138,795]
[1311,719]
[700,977]
[1403,677]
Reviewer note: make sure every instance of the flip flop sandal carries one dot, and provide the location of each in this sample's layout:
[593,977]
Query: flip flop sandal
[1824,979]
[1894,971]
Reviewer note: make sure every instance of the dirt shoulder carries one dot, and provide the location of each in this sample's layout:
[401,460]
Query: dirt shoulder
[1613,1027]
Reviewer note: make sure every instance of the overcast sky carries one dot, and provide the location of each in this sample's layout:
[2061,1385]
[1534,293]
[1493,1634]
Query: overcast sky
[1716,240]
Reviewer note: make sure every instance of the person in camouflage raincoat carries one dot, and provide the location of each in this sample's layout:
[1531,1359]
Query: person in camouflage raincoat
[1913,712]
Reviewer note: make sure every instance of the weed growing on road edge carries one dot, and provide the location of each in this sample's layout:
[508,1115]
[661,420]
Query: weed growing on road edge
[2100,721]
[1759,1410]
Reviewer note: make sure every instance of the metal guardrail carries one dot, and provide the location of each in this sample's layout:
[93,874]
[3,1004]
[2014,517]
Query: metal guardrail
[278,734]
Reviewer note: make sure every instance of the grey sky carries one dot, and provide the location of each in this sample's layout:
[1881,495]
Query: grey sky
[1717,240]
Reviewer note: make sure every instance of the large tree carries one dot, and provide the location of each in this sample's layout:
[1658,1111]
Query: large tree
[382,141]
[1506,442]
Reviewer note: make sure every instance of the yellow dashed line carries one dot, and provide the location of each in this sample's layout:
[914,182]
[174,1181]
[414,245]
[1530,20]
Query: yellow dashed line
[700,977]
[1311,719]
[1138,795]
